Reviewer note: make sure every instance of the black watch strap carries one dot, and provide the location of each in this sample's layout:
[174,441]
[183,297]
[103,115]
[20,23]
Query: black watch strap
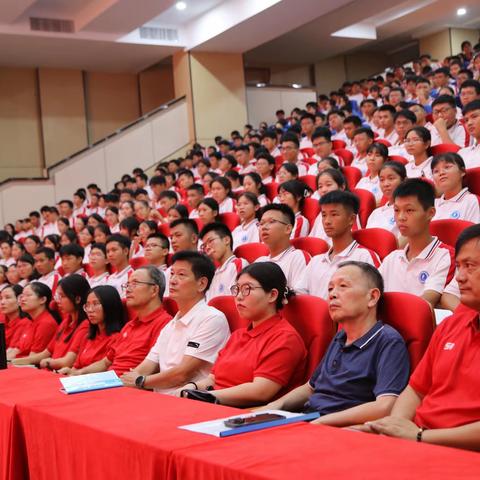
[140,381]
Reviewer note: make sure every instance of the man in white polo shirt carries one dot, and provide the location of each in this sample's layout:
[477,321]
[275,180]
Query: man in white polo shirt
[339,213]
[118,248]
[426,265]
[45,266]
[156,250]
[217,244]
[276,224]
[188,345]
[471,115]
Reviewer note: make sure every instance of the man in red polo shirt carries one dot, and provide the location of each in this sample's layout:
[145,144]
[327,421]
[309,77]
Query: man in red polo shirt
[441,404]
[144,291]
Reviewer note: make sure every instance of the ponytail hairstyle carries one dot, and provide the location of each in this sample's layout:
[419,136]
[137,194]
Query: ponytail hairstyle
[298,189]
[42,290]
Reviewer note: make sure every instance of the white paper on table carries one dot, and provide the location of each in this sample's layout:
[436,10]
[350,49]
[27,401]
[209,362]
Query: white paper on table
[215,427]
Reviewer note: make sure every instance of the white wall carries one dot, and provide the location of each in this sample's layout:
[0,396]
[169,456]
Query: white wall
[262,103]
[142,145]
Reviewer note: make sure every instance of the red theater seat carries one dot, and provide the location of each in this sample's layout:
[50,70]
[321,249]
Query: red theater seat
[310,209]
[230,219]
[308,152]
[271,189]
[381,241]
[472,180]
[352,176]
[448,230]
[226,304]
[336,144]
[310,181]
[251,251]
[398,158]
[313,246]
[138,262]
[170,306]
[345,155]
[383,141]
[367,205]
[444,148]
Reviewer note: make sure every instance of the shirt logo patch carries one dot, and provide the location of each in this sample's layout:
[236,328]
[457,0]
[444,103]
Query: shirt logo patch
[449,346]
[244,238]
[193,344]
[423,276]
[221,288]
[392,221]
[455,214]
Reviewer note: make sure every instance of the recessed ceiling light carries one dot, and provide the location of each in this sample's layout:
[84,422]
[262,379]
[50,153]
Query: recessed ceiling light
[180,5]
[261,85]
[296,85]
[461,11]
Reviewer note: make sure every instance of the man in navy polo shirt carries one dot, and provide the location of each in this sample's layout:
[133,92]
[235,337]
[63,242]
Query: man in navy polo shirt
[366,365]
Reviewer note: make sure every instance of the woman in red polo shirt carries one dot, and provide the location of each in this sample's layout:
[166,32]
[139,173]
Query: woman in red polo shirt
[106,315]
[16,322]
[265,359]
[34,301]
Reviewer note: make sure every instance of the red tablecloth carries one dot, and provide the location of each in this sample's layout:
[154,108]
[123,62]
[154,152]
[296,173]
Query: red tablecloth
[128,434]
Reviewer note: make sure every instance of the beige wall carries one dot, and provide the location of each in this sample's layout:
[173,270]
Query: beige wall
[286,74]
[20,130]
[219,102]
[156,87]
[458,35]
[182,85]
[63,113]
[330,74]
[437,45]
[112,102]
[363,64]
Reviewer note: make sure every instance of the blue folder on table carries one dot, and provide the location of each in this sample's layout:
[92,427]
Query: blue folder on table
[90,382]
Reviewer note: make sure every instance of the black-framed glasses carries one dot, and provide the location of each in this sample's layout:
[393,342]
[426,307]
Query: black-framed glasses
[134,284]
[245,290]
[269,223]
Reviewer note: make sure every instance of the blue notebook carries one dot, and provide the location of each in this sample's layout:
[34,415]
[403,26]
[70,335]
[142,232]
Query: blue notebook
[90,382]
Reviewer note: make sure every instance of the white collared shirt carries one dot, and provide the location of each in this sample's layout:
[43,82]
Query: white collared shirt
[226,206]
[471,156]
[418,171]
[305,142]
[267,180]
[98,280]
[291,261]
[50,280]
[301,226]
[392,137]
[201,333]
[432,269]
[316,276]
[117,279]
[193,213]
[313,169]
[463,206]
[383,217]
[372,185]
[246,233]
[456,132]
[360,163]
[225,276]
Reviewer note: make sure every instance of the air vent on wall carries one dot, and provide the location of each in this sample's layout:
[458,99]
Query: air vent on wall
[158,33]
[55,25]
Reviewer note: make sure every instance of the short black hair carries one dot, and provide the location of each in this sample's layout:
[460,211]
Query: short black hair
[443,99]
[160,236]
[367,131]
[49,253]
[131,224]
[99,246]
[282,208]
[407,114]
[468,234]
[122,240]
[470,107]
[197,188]
[188,223]
[72,249]
[387,108]
[418,188]
[201,265]
[354,119]
[291,137]
[348,199]
[220,229]
[68,202]
[322,132]
[157,180]
[471,83]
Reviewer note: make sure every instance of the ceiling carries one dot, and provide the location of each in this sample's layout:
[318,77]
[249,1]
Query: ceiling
[106,33]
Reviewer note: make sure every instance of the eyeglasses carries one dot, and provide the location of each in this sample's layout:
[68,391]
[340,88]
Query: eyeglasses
[134,284]
[154,245]
[245,290]
[441,110]
[208,243]
[412,140]
[288,148]
[92,306]
[269,223]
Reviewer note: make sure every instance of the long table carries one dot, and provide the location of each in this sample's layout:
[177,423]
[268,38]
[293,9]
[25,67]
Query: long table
[129,434]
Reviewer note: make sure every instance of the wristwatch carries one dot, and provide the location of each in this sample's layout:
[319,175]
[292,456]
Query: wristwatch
[140,381]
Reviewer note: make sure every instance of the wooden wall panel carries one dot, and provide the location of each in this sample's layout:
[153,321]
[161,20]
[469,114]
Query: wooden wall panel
[156,87]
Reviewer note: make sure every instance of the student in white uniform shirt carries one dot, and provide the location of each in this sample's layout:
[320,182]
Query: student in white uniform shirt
[351,124]
[327,181]
[188,345]
[404,121]
[195,195]
[276,225]
[242,156]
[471,115]
[252,183]
[391,175]
[386,115]
[157,247]
[339,211]
[221,191]
[269,141]
[307,122]
[6,248]
[425,266]
[72,256]
[45,266]
[183,237]
[99,265]
[335,120]
[293,194]
[321,166]
[456,201]
[248,230]
[291,152]
[447,129]
[265,166]
[118,248]
[322,144]
[217,245]
[208,211]
[418,142]
[377,155]
[362,138]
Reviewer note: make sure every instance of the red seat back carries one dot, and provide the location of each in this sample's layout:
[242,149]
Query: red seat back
[352,176]
[170,306]
[383,142]
[472,180]
[307,152]
[314,246]
[413,318]
[309,316]
[164,228]
[448,230]
[226,304]
[199,224]
[310,209]
[336,144]
[381,241]
[271,189]
[345,155]
[230,219]
[310,161]
[444,148]
[251,251]
[367,205]
[138,262]
[398,158]
[310,181]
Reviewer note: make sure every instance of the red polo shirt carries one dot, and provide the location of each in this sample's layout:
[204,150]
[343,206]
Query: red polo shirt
[137,337]
[448,375]
[272,350]
[95,349]
[41,331]
[68,338]
[15,329]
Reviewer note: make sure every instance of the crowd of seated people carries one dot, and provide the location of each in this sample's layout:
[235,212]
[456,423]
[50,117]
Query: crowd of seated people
[125,280]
